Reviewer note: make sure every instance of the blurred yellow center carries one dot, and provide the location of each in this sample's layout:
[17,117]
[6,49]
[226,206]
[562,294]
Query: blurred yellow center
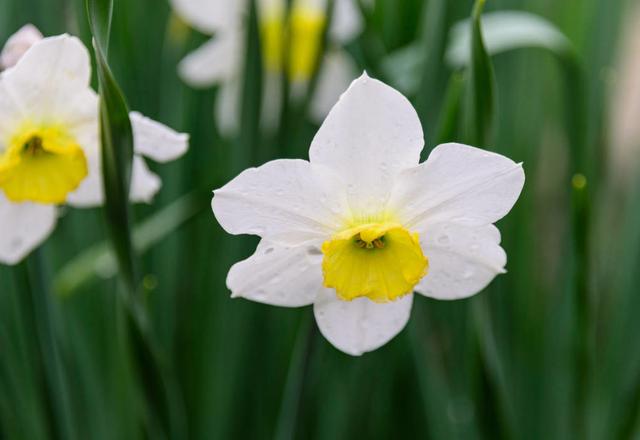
[41,164]
[380,261]
[300,36]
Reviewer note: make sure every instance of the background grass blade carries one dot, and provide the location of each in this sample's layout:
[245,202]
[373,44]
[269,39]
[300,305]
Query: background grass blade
[38,301]
[481,86]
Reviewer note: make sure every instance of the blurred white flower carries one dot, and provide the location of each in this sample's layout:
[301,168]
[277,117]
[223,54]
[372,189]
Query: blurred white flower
[49,147]
[219,61]
[363,224]
[625,102]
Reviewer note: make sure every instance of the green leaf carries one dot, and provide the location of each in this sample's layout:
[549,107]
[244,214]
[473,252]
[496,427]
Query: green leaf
[117,143]
[481,88]
[99,260]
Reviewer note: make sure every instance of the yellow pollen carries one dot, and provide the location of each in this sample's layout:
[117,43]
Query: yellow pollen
[300,35]
[380,261]
[41,164]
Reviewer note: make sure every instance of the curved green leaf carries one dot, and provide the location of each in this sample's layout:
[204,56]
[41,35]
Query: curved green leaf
[504,31]
[117,143]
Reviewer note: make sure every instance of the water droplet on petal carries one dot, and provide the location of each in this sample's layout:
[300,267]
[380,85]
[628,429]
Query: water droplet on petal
[260,294]
[444,239]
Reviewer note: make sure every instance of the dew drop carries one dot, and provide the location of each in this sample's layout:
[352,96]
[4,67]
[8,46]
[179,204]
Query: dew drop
[260,294]
[267,251]
[16,243]
[444,239]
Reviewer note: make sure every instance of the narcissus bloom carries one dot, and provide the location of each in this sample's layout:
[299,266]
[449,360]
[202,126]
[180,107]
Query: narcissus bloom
[362,225]
[220,60]
[49,141]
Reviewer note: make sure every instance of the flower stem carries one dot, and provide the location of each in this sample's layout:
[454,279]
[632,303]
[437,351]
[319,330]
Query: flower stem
[294,387]
[36,298]
[583,339]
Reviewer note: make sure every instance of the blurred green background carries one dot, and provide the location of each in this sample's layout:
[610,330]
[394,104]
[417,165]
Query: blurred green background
[549,350]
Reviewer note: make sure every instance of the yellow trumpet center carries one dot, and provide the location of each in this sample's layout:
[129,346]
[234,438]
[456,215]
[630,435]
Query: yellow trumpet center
[300,36]
[380,261]
[41,164]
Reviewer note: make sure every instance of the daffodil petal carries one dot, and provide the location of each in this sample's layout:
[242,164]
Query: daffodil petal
[347,21]
[209,16]
[216,60]
[369,137]
[338,70]
[457,183]
[358,326]
[144,183]
[51,78]
[287,277]
[286,201]
[90,193]
[18,44]
[24,227]
[227,107]
[155,140]
[462,260]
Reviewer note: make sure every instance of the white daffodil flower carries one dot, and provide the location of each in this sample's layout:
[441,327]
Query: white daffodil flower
[49,143]
[362,225]
[220,60]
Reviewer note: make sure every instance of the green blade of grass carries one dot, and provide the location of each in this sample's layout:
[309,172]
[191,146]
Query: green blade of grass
[37,298]
[99,260]
[481,86]
[117,144]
